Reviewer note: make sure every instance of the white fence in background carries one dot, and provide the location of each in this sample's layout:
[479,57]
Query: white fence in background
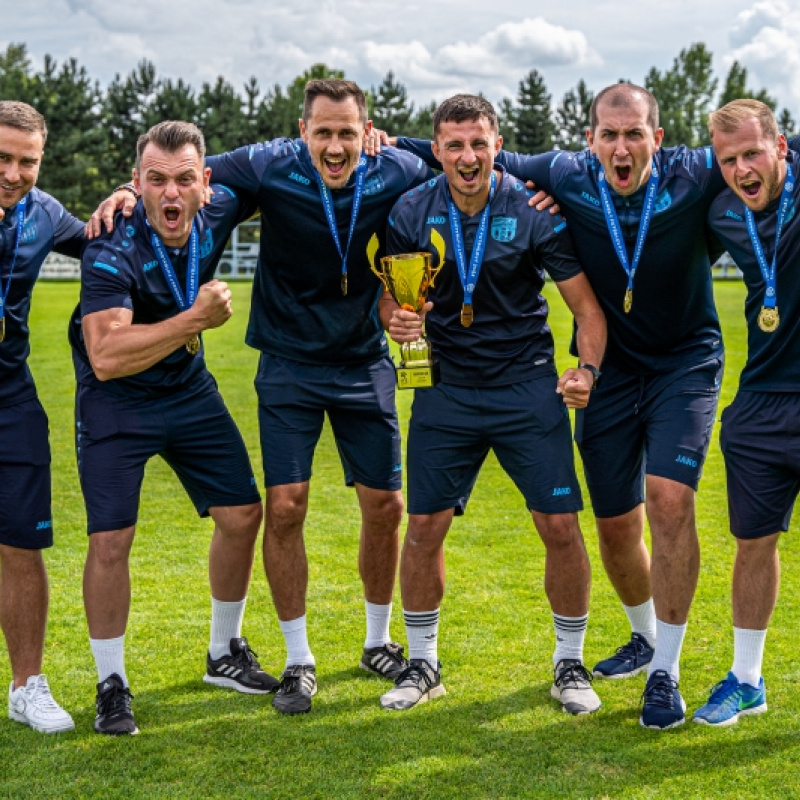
[238,262]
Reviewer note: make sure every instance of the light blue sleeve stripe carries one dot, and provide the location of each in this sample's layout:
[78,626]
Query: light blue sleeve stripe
[106,267]
[709,157]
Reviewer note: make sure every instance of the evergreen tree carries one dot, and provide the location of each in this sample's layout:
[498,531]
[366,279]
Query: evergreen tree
[15,74]
[786,124]
[507,122]
[391,110]
[221,117]
[76,142]
[572,118]
[534,119]
[736,88]
[684,94]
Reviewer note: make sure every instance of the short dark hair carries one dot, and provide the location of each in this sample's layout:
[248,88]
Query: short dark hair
[171,136]
[23,117]
[463,107]
[620,95]
[336,89]
[732,116]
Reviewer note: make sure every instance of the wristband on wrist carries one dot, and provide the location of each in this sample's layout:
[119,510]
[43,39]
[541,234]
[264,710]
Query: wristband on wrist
[594,371]
[127,187]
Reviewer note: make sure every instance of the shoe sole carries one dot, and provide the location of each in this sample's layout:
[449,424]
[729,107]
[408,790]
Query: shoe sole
[292,711]
[431,694]
[229,683]
[393,676]
[676,724]
[620,676]
[569,708]
[734,719]
[65,728]
[134,732]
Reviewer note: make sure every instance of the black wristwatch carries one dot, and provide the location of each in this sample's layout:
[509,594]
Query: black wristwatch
[595,373]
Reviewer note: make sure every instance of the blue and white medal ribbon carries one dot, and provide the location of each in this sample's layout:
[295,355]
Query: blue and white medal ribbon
[327,204]
[612,222]
[17,238]
[192,276]
[768,317]
[469,278]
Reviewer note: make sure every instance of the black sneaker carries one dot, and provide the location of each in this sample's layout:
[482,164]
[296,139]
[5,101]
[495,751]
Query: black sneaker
[240,671]
[662,704]
[298,686]
[387,661]
[114,715]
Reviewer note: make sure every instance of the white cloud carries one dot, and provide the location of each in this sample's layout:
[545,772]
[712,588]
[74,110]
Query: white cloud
[765,39]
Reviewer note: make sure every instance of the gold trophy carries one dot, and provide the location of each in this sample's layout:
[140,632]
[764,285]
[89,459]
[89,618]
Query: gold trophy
[408,277]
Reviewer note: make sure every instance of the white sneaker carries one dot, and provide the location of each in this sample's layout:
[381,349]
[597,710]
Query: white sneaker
[33,705]
[572,687]
[416,684]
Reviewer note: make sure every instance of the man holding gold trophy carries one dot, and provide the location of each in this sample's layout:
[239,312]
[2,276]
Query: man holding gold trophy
[491,382]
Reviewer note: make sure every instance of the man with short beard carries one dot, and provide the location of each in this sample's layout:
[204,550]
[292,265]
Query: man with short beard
[32,223]
[147,294]
[756,220]
[499,388]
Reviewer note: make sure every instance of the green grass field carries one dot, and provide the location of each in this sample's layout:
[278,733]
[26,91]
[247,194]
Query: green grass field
[497,733]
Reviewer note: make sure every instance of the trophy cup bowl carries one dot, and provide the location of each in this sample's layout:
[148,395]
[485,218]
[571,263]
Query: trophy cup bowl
[408,277]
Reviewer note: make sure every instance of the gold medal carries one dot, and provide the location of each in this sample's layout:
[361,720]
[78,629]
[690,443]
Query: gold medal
[466,315]
[768,319]
[2,328]
[628,302]
[193,345]
[344,284]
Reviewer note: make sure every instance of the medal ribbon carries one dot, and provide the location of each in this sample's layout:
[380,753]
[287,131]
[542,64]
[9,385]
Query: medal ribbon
[17,238]
[771,291]
[192,268]
[470,278]
[327,204]
[614,228]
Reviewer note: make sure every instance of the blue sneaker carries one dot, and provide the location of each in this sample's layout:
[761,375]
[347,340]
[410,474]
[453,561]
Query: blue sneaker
[730,700]
[629,660]
[662,704]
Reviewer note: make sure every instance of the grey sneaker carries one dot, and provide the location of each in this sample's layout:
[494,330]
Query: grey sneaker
[33,705]
[572,687]
[387,661]
[298,686]
[416,684]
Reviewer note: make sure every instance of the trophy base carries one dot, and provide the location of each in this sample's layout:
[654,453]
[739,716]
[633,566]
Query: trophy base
[422,377]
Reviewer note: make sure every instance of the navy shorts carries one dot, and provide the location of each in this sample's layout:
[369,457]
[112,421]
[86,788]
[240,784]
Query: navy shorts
[452,429]
[293,399]
[191,430]
[26,520]
[656,425]
[760,440]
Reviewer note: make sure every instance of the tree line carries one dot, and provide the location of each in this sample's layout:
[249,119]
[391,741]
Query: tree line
[93,131]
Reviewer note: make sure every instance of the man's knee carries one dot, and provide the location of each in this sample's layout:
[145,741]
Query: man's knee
[670,506]
[381,511]
[239,522]
[558,531]
[286,509]
[110,549]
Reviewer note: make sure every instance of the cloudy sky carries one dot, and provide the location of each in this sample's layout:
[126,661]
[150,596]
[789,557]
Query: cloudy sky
[434,47]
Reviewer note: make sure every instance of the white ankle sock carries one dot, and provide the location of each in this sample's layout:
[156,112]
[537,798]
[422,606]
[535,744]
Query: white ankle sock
[296,636]
[422,630]
[226,624]
[643,620]
[570,633]
[109,655]
[378,619]
[668,649]
[748,655]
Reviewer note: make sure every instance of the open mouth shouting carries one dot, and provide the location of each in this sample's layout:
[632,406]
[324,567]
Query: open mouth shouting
[172,216]
[469,175]
[750,188]
[622,175]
